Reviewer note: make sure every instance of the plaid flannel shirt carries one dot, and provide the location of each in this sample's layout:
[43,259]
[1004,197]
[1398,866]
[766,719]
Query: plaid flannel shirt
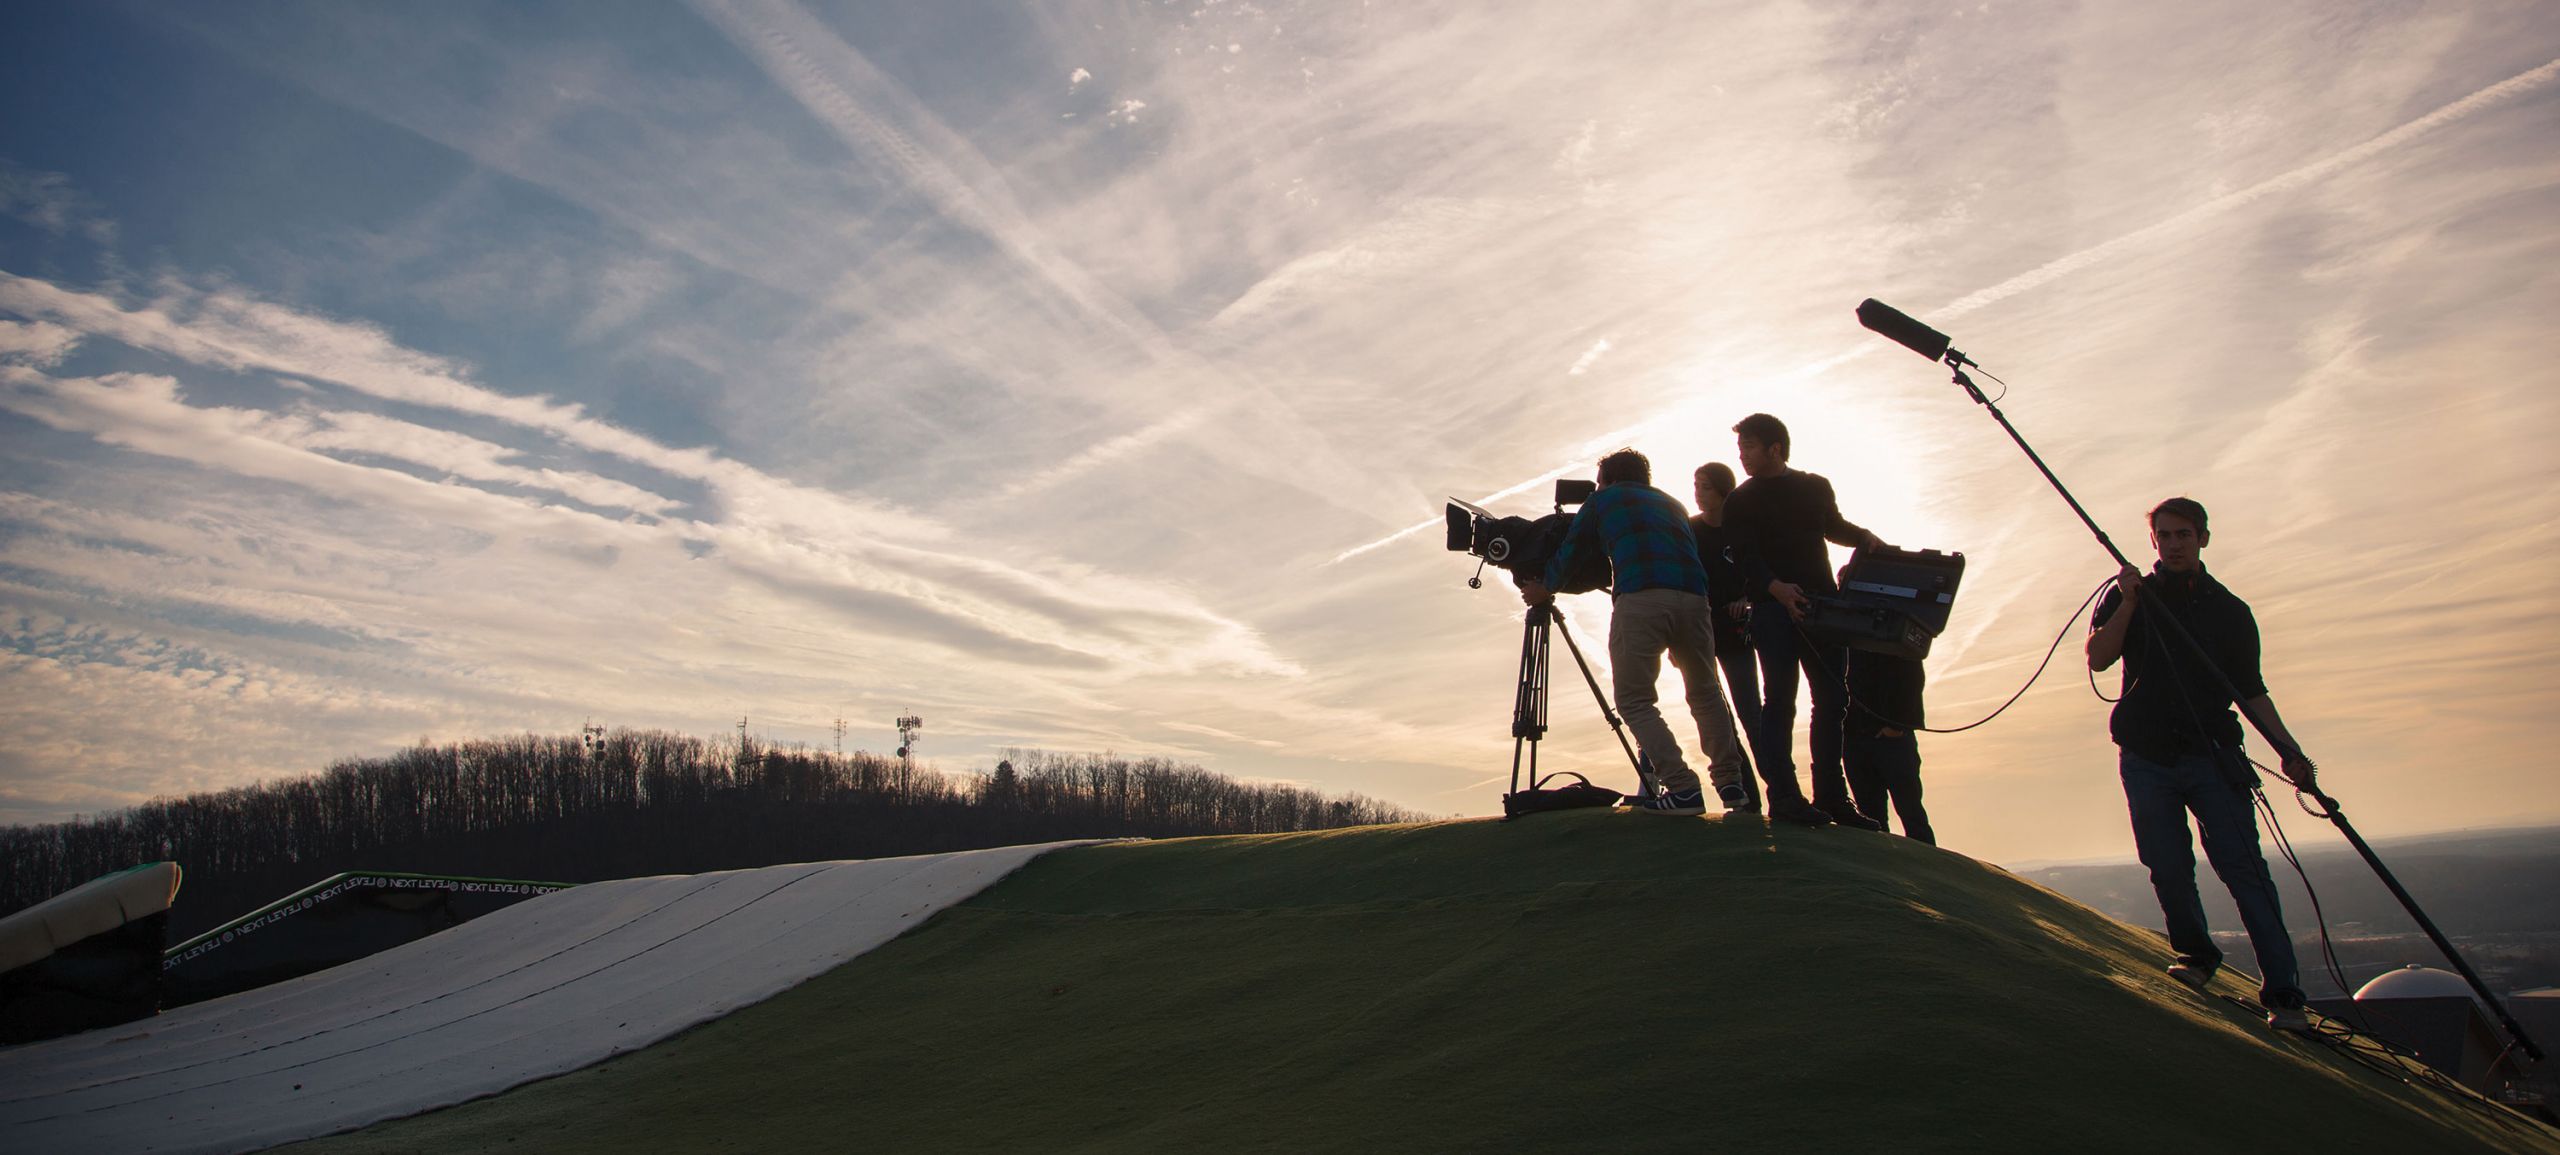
[1646,534]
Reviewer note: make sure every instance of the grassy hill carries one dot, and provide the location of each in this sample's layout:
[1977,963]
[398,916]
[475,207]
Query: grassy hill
[1582,981]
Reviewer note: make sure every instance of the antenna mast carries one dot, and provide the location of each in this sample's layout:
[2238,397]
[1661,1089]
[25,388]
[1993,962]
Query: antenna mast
[908,727]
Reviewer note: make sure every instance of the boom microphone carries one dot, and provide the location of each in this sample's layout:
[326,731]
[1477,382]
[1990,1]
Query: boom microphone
[1908,333]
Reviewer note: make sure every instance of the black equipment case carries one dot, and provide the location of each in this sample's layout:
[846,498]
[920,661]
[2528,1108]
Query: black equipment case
[1891,601]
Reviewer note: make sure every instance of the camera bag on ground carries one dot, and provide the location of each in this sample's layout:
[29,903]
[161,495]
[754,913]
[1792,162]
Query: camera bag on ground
[1577,795]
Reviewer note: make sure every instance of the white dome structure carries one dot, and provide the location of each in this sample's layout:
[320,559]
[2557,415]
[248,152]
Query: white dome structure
[2416,982]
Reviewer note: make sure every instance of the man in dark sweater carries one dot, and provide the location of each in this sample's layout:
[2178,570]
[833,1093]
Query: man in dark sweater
[2179,752]
[1777,523]
[1732,606]
[1881,749]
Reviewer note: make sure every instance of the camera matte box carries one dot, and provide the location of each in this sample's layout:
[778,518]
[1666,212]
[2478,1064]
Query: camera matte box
[1891,601]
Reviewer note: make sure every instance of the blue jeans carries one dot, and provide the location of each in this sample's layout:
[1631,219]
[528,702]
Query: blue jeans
[2160,796]
[1782,650]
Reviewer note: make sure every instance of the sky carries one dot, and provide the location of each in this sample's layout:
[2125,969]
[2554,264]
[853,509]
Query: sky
[1092,376]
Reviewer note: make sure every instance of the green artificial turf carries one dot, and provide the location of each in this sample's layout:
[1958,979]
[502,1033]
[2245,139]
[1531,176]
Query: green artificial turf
[1584,981]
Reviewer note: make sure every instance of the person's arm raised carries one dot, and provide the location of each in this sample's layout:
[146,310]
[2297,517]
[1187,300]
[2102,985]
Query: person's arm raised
[2106,639]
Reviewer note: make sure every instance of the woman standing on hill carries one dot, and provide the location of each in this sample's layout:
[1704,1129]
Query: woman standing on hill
[1732,607]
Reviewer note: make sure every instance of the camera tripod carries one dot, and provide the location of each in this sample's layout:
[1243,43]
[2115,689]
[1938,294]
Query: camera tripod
[1529,699]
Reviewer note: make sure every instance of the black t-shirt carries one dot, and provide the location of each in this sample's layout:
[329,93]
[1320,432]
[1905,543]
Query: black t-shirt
[2172,706]
[1777,526]
[1724,583]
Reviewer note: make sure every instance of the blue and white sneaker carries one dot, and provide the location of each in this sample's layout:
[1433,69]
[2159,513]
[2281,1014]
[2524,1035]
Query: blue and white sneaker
[1735,797]
[1676,802]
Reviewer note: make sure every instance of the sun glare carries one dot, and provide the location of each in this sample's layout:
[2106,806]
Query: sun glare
[1879,467]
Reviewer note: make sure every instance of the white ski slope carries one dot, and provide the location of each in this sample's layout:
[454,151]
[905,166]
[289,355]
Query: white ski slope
[540,988]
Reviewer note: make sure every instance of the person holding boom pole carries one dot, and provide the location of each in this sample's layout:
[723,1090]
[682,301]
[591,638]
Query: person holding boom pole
[2298,770]
[2179,752]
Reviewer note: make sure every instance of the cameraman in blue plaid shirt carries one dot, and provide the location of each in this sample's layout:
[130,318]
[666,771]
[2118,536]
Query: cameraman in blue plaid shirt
[1660,605]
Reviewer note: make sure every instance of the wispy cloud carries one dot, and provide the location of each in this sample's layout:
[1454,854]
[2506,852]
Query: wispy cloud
[39,343]
[889,129]
[49,201]
[1032,368]
[2506,90]
[1589,358]
[2512,88]
[884,568]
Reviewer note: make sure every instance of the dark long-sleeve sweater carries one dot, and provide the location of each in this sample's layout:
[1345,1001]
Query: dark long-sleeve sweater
[1777,525]
[2172,706]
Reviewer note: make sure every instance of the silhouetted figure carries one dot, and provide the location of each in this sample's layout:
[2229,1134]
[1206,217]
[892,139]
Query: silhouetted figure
[1881,748]
[2179,752]
[1731,602]
[1778,521]
[1660,604]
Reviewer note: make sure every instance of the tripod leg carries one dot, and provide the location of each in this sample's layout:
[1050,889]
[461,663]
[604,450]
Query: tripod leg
[1529,695]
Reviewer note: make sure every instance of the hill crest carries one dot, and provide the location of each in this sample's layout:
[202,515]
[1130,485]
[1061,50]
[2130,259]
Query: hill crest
[1571,981]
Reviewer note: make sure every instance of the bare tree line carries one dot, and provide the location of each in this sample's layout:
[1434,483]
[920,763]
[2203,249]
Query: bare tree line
[636,802]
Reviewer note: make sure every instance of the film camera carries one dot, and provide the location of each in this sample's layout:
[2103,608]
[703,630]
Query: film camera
[1524,545]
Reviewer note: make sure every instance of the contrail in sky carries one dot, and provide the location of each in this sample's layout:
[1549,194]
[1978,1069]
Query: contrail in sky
[877,117]
[2063,266]
[2500,92]
[882,121]
[1616,437]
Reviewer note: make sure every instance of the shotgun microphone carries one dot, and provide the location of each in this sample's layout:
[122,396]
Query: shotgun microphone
[1907,332]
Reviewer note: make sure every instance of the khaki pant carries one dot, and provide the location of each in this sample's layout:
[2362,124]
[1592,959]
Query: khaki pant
[1642,627]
